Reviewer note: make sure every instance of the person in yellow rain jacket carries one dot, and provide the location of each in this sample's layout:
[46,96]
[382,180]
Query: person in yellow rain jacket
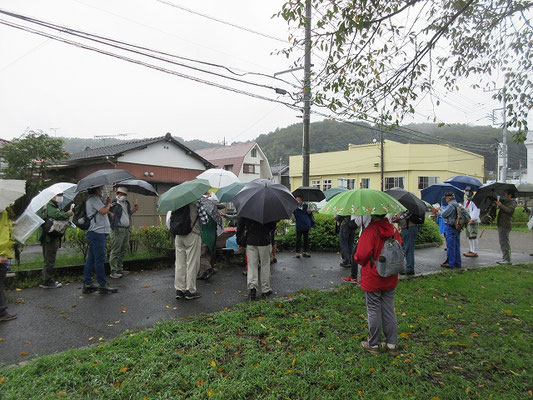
[6,252]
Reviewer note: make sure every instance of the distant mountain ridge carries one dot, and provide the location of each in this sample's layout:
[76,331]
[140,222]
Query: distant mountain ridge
[329,135]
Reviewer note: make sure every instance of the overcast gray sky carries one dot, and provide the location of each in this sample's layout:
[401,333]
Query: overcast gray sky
[46,84]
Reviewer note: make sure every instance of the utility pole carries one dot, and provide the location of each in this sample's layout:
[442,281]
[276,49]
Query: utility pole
[504,145]
[382,159]
[307,95]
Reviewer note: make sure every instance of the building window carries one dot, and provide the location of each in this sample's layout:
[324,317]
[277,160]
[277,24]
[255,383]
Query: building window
[425,181]
[346,183]
[365,183]
[254,152]
[394,182]
[315,184]
[327,184]
[248,168]
[228,167]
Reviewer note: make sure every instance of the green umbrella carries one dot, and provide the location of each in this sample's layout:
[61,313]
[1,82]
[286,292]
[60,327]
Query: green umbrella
[183,194]
[362,202]
[331,193]
[227,193]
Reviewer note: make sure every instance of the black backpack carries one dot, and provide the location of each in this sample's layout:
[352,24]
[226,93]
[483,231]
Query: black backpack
[180,221]
[80,218]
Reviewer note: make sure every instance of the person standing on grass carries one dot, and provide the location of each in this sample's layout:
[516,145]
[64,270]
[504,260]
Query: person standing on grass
[96,237]
[257,238]
[453,236]
[120,232]
[302,215]
[6,253]
[473,226]
[379,291]
[507,206]
[51,243]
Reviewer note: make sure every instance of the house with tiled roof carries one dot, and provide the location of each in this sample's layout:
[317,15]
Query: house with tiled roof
[162,161]
[246,160]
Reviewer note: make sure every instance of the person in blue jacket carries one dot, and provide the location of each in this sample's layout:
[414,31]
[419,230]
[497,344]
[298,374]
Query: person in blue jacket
[304,223]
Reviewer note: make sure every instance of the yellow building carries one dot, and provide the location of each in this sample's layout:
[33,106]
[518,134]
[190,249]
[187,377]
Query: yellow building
[411,166]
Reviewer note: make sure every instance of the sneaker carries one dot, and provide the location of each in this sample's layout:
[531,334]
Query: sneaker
[371,349]
[392,349]
[192,296]
[504,262]
[107,290]
[267,294]
[306,255]
[180,294]
[445,265]
[123,272]
[115,275]
[89,288]
[50,285]
[298,255]
[8,317]
[345,265]
[253,294]
[209,273]
[407,272]
[349,279]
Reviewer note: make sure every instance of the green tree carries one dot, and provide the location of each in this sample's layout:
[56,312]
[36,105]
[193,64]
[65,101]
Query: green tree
[381,57]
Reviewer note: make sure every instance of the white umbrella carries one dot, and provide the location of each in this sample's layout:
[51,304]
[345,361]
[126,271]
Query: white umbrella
[11,190]
[218,178]
[48,194]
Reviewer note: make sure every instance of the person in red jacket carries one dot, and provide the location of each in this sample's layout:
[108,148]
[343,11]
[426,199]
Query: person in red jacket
[379,291]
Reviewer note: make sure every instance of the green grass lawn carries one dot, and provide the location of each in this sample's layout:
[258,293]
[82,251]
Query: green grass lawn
[462,335]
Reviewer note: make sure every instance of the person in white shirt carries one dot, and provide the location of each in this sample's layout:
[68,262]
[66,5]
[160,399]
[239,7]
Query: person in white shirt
[473,226]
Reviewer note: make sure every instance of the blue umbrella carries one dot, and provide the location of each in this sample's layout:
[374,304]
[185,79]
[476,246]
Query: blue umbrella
[435,193]
[462,181]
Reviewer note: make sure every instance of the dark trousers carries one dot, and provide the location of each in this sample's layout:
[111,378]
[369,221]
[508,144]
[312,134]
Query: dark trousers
[346,238]
[95,259]
[453,246]
[408,237]
[49,255]
[299,235]
[354,266]
[3,297]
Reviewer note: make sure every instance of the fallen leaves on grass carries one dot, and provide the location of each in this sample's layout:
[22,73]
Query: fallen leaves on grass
[404,335]
[213,363]
[117,385]
[61,394]
[24,353]
[474,335]
[2,379]
[91,338]
[124,369]
[124,310]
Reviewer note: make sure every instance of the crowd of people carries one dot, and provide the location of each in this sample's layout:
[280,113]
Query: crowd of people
[195,227]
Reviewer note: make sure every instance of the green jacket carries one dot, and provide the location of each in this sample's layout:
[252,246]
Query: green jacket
[51,211]
[506,213]
[6,240]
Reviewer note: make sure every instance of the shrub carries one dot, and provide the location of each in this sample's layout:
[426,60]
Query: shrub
[321,237]
[77,239]
[135,238]
[155,239]
[429,233]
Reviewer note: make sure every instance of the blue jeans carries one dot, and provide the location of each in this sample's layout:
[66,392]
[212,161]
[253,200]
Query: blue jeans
[346,238]
[408,239]
[453,246]
[95,259]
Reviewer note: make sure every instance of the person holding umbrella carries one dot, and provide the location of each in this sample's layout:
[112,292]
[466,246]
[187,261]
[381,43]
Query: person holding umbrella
[121,212]
[507,205]
[100,227]
[6,252]
[49,242]
[453,243]
[473,226]
[302,215]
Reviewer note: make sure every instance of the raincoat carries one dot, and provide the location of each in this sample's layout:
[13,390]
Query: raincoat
[6,229]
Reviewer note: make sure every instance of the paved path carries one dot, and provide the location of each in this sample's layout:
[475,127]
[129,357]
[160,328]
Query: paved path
[55,320]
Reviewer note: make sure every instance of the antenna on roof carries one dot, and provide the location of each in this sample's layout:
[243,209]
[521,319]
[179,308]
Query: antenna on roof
[104,137]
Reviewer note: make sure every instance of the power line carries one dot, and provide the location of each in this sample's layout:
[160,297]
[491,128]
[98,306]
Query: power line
[222,21]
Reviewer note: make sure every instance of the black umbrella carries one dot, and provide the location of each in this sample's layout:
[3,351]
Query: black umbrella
[264,201]
[488,193]
[407,199]
[103,177]
[138,186]
[309,193]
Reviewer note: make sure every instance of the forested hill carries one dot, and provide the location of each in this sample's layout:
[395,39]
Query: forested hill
[329,135]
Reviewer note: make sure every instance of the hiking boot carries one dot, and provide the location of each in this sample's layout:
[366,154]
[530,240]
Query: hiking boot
[407,272]
[504,262]
[306,255]
[274,260]
[115,275]
[267,294]
[180,294]
[123,272]
[392,349]
[209,273]
[50,285]
[445,265]
[8,317]
[89,288]
[192,296]
[345,264]
[253,294]
[371,349]
[107,290]
[298,255]
[349,279]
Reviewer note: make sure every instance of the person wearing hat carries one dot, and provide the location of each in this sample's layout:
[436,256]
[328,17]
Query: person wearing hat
[453,243]
[473,226]
[120,231]
[506,206]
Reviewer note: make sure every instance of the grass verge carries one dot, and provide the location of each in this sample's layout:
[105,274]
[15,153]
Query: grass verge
[462,336]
